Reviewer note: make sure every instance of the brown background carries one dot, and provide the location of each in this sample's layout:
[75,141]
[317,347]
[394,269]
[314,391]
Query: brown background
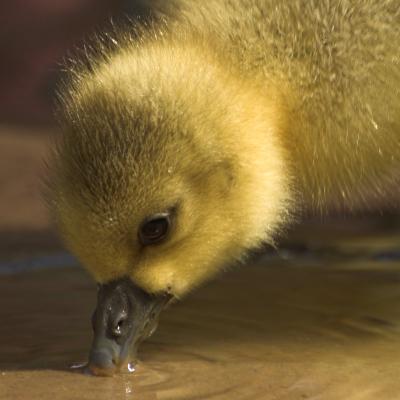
[35,37]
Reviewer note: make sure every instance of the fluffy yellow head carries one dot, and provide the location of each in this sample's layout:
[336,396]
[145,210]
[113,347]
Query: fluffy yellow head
[154,131]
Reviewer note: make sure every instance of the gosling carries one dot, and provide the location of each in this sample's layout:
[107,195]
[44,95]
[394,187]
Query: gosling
[200,136]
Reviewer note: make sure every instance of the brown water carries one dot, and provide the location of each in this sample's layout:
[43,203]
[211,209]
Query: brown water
[319,325]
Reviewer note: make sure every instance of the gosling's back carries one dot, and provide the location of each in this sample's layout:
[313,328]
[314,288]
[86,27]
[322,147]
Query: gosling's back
[337,66]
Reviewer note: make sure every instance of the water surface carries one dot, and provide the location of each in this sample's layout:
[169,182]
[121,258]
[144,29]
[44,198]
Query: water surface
[311,323]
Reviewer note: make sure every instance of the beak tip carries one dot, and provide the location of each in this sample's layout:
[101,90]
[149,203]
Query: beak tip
[98,371]
[101,363]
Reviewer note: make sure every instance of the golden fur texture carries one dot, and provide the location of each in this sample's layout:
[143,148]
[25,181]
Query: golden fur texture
[234,113]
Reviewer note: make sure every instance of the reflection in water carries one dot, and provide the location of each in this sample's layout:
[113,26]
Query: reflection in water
[292,328]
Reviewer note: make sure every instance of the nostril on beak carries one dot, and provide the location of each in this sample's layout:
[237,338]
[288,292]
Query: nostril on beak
[119,326]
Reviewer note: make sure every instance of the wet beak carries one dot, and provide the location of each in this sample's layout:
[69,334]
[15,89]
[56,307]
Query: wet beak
[125,316]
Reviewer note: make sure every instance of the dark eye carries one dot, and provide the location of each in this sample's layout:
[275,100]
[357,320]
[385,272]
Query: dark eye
[154,229]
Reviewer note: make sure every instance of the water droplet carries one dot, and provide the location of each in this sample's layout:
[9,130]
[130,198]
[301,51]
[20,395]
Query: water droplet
[78,365]
[128,390]
[131,367]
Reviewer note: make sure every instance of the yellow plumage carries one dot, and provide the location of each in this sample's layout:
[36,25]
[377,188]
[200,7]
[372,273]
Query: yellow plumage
[236,114]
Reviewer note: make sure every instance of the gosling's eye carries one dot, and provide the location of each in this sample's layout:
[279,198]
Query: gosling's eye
[154,229]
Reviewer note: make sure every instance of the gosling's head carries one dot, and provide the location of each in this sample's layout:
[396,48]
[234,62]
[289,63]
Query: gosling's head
[155,187]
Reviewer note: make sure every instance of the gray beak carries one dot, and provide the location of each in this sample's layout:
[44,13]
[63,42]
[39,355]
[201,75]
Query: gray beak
[125,315]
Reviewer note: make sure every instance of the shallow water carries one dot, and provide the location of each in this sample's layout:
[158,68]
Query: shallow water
[313,323]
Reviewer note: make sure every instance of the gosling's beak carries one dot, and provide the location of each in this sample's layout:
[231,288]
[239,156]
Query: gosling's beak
[125,316]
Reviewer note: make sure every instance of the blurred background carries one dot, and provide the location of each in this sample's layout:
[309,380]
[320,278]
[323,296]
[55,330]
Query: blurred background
[35,36]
